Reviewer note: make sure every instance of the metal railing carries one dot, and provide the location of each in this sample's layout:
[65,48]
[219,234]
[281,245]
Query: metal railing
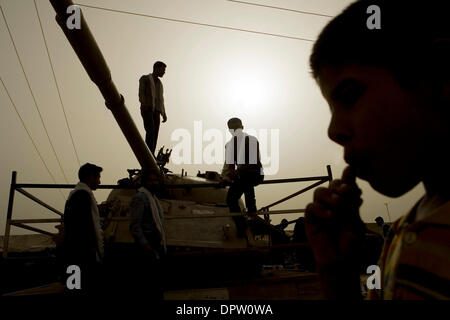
[22,223]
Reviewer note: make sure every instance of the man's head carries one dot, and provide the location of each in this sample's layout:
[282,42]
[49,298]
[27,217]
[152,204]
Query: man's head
[234,124]
[379,221]
[159,69]
[388,89]
[90,174]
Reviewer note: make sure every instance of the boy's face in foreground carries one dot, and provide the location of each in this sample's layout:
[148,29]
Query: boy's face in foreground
[381,126]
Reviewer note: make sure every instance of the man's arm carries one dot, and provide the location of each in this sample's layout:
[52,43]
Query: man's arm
[144,94]
[228,170]
[137,208]
[163,108]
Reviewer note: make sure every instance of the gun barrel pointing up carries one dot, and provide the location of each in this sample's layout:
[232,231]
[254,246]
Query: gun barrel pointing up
[87,50]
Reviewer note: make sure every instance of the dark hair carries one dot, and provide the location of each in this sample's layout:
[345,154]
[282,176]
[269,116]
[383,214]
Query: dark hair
[379,219]
[234,123]
[158,64]
[408,28]
[88,170]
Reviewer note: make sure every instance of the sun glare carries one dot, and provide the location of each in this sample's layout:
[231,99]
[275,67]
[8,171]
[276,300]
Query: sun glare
[248,91]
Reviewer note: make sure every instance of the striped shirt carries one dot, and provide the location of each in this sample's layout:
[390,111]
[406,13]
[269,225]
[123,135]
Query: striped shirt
[415,261]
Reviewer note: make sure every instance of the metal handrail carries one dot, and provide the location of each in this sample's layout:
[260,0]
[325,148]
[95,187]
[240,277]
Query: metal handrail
[21,223]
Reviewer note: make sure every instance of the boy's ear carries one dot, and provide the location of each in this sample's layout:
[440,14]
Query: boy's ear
[440,67]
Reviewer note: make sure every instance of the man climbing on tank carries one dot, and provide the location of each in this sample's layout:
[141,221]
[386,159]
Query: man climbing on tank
[242,169]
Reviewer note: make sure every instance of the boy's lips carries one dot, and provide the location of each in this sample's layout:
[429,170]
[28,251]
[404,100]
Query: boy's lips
[356,164]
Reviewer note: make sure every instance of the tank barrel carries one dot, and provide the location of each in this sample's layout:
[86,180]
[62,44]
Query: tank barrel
[87,50]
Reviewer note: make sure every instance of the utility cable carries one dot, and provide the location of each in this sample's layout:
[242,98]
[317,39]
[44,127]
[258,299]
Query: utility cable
[57,86]
[280,8]
[34,99]
[198,23]
[29,135]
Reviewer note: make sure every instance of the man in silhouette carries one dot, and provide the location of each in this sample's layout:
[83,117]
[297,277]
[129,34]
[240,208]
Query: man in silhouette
[147,228]
[152,103]
[242,168]
[83,235]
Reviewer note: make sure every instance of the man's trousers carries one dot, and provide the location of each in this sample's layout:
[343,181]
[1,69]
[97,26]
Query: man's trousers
[244,185]
[151,124]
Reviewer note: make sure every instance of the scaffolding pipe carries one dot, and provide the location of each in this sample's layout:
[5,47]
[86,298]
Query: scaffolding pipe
[9,214]
[20,225]
[293,195]
[38,201]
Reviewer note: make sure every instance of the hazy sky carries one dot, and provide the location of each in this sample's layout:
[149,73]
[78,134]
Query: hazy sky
[213,74]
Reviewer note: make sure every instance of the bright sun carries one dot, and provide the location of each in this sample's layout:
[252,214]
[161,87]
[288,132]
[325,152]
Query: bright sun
[248,90]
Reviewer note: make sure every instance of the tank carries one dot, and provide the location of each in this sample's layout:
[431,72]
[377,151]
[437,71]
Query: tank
[193,217]
[202,235]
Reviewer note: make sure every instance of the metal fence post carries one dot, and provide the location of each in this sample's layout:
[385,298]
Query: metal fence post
[9,214]
[330,174]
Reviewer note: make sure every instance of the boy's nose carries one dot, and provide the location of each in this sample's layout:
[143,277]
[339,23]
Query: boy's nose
[339,130]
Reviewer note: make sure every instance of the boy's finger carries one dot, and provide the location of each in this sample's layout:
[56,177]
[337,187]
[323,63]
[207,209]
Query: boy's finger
[326,197]
[334,185]
[347,189]
[348,184]
[349,176]
[315,211]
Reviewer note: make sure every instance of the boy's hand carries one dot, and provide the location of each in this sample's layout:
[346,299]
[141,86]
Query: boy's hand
[334,227]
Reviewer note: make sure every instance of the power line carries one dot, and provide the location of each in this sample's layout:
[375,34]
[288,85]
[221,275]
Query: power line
[34,99]
[57,86]
[283,9]
[198,23]
[29,135]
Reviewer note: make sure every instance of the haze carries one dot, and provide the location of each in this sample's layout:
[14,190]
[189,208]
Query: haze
[212,74]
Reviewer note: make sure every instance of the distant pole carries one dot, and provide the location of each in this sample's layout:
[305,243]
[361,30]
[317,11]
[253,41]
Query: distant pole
[387,209]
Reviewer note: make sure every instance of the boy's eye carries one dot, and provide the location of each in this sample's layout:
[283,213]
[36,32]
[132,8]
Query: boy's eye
[349,93]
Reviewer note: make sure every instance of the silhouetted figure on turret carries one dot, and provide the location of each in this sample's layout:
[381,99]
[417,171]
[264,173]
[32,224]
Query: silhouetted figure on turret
[152,103]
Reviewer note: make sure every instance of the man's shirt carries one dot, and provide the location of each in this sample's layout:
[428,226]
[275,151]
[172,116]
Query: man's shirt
[151,93]
[241,155]
[142,224]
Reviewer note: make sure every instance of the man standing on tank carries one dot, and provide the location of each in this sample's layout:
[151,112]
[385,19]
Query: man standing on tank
[152,103]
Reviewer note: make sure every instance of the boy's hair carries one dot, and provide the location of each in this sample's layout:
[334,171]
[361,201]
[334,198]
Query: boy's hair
[88,170]
[408,28]
[158,64]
